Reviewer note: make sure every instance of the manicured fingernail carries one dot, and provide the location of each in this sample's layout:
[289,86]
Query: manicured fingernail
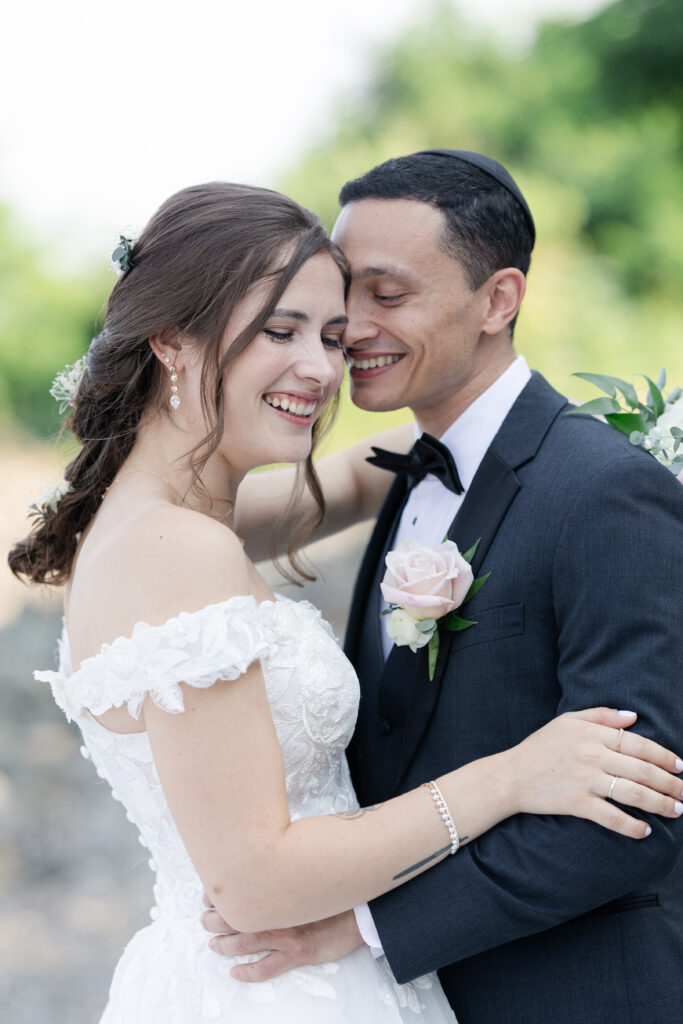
[627,714]
[648,831]
[678,807]
[679,765]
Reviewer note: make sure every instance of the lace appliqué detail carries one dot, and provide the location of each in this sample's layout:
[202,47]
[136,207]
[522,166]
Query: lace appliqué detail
[197,648]
[168,974]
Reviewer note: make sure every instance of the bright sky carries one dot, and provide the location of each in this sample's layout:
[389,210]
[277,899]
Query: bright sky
[108,108]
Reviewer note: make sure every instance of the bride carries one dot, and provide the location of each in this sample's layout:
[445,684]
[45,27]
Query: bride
[218,713]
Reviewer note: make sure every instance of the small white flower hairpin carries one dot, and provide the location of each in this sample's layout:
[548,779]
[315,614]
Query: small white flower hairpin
[46,505]
[65,385]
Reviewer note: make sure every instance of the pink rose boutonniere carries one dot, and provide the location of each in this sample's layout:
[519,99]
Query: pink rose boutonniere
[423,587]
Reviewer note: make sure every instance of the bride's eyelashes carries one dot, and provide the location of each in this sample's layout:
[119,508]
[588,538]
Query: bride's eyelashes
[277,335]
[283,336]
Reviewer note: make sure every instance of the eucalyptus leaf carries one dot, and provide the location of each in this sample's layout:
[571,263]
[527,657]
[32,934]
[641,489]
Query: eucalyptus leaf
[456,624]
[626,422]
[611,385]
[600,381]
[661,380]
[629,393]
[674,396]
[655,397]
[637,437]
[676,432]
[425,625]
[596,407]
[648,414]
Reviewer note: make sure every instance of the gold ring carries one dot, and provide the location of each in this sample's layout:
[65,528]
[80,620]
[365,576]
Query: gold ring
[611,787]
[621,733]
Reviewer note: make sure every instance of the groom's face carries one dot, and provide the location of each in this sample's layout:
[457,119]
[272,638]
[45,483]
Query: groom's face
[414,321]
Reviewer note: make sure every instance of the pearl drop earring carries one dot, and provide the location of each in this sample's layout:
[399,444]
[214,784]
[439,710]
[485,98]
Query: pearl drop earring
[175,397]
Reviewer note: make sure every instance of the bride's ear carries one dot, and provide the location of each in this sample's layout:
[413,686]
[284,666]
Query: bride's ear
[168,348]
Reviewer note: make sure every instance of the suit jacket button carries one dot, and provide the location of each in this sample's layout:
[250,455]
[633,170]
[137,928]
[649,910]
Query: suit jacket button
[385,727]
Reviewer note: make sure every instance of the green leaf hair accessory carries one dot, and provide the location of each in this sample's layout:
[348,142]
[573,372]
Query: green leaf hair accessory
[121,258]
[653,422]
[66,384]
[46,505]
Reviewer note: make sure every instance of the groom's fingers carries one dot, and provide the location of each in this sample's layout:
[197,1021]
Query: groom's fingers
[246,943]
[270,966]
[213,922]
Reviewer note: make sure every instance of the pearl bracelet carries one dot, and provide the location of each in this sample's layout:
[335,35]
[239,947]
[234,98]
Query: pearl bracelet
[442,808]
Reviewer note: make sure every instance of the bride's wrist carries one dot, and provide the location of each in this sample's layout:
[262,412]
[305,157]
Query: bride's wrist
[482,793]
[508,782]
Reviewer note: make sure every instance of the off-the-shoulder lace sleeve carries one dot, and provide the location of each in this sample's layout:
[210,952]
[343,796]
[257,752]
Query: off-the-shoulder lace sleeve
[217,642]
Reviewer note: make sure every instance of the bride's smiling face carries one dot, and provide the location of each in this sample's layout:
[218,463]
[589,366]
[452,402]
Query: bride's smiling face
[276,389]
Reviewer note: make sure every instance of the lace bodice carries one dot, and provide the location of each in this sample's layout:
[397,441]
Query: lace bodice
[168,974]
[312,691]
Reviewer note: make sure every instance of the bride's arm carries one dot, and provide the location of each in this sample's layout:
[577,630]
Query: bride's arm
[221,769]
[353,491]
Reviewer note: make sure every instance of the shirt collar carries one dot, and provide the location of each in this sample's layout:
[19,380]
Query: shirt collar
[469,437]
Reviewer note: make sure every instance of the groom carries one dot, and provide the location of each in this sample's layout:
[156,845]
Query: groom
[542,919]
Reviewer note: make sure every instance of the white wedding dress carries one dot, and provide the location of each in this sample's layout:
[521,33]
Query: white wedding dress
[168,974]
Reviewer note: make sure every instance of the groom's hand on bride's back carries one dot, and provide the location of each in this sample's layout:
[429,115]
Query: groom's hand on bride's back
[285,948]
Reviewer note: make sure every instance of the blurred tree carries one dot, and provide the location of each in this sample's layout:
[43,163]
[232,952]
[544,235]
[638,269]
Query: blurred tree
[590,121]
[46,321]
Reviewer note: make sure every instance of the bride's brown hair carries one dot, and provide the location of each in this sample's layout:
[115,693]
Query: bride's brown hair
[197,257]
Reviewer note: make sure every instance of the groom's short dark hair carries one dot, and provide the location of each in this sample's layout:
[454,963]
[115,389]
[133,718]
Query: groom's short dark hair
[486,229]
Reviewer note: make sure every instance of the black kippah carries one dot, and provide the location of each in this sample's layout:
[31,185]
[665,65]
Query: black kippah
[494,170]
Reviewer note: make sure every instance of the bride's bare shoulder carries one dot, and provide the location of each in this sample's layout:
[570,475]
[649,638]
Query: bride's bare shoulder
[152,567]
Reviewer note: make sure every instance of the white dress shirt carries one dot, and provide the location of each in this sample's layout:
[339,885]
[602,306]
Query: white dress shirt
[431,507]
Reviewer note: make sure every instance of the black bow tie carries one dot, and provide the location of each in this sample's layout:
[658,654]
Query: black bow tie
[428,455]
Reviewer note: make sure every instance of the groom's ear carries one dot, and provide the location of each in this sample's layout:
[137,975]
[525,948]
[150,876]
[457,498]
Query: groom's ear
[503,293]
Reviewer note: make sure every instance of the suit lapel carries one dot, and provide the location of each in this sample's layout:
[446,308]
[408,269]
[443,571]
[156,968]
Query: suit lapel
[365,601]
[486,503]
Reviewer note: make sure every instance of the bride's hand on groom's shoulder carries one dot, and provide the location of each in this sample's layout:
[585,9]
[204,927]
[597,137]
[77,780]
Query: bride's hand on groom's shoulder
[285,948]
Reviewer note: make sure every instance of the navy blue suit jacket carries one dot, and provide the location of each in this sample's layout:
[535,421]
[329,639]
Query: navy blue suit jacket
[542,919]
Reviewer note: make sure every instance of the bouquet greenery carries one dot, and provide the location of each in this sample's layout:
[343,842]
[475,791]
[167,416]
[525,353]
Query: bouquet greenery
[653,421]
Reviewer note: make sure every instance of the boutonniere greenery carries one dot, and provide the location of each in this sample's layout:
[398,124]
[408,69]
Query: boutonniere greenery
[424,588]
[652,419]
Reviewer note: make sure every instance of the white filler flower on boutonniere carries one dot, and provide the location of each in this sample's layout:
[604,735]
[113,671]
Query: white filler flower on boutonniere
[423,587]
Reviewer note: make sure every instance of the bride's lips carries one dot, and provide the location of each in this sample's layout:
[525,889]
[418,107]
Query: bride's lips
[293,406]
[370,364]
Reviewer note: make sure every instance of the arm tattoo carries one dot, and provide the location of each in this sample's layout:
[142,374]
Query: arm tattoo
[421,863]
[360,812]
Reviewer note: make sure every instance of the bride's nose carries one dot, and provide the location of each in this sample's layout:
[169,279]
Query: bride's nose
[317,362]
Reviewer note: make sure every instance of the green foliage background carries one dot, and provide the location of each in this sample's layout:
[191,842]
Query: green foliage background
[590,122]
